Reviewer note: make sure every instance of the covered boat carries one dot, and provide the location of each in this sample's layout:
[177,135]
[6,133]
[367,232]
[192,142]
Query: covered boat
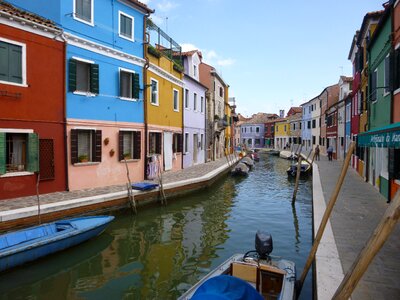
[287,154]
[240,169]
[248,161]
[19,247]
[254,275]
[305,169]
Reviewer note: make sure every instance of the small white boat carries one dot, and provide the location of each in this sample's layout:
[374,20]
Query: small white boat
[305,168]
[257,276]
[287,154]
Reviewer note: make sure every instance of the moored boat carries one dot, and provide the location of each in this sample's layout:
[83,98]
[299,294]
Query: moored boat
[240,169]
[274,152]
[305,168]
[248,161]
[19,247]
[254,275]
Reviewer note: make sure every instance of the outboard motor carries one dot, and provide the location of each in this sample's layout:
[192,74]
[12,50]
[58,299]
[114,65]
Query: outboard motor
[263,244]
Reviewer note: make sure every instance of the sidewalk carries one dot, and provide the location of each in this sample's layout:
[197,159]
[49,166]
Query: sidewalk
[26,207]
[357,212]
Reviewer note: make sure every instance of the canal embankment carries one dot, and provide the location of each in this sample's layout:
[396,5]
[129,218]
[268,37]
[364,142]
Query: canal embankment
[23,211]
[358,210]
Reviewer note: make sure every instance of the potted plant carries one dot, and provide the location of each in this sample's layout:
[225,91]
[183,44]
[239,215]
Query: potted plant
[127,155]
[83,158]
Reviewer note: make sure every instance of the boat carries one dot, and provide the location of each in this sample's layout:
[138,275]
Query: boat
[256,157]
[240,169]
[305,168]
[19,247]
[254,275]
[274,152]
[248,161]
[287,154]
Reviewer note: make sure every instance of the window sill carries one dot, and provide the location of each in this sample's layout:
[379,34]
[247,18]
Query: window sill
[16,174]
[87,94]
[13,83]
[130,160]
[155,104]
[84,21]
[128,99]
[131,39]
[89,163]
[396,91]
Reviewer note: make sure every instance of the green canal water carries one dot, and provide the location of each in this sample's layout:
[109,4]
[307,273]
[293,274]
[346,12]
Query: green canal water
[162,251]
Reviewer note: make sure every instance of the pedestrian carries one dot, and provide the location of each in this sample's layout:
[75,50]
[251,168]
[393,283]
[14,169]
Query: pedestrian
[317,152]
[330,152]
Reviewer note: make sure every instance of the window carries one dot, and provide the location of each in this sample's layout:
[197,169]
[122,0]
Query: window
[85,145]
[83,76]
[201,141]
[221,92]
[129,145]
[249,141]
[83,11]
[300,125]
[313,139]
[374,81]
[387,74]
[12,62]
[294,126]
[202,104]
[396,78]
[314,123]
[186,142]
[19,152]
[176,100]
[126,26]
[194,71]
[177,143]
[257,141]
[195,102]
[257,129]
[186,98]
[309,124]
[129,84]
[154,142]
[154,91]
[251,129]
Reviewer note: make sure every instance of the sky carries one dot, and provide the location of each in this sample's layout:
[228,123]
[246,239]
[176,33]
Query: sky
[273,54]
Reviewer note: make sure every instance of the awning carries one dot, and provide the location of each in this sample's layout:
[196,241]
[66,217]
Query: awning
[388,136]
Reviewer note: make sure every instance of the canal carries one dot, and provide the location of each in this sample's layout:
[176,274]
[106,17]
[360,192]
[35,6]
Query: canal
[162,251]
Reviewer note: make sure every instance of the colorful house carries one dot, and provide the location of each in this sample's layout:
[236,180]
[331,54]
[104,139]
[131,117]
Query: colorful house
[282,134]
[164,105]
[295,115]
[194,111]
[327,98]
[32,76]
[344,92]
[382,136]
[104,87]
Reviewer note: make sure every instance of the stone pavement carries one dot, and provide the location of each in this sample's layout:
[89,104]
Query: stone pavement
[167,177]
[357,212]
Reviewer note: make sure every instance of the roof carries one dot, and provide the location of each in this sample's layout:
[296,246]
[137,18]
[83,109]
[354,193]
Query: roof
[374,15]
[346,79]
[12,10]
[382,21]
[261,118]
[191,52]
[353,44]
[142,5]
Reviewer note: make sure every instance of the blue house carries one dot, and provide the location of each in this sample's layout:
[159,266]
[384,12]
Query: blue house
[104,86]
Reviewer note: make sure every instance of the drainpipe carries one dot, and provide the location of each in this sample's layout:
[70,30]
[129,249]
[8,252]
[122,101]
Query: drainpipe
[145,68]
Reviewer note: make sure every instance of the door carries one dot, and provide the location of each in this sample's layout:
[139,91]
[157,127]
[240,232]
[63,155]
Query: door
[167,151]
[195,147]
[46,159]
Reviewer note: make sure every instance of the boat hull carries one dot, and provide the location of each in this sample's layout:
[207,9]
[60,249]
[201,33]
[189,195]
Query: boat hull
[36,248]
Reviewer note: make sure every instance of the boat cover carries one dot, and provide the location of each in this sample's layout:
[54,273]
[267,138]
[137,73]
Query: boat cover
[226,287]
[144,186]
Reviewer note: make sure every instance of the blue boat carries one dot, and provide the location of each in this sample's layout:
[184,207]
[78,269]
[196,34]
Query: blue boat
[19,247]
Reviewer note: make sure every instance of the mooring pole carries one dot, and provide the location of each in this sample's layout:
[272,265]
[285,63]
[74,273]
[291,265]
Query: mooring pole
[37,196]
[375,243]
[131,199]
[327,214]
[296,186]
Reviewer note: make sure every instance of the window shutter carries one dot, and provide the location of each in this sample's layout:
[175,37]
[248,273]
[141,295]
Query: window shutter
[74,146]
[15,66]
[2,152]
[72,75]
[137,146]
[391,71]
[121,145]
[4,61]
[97,146]
[135,86]
[33,153]
[94,79]
[180,143]
[158,143]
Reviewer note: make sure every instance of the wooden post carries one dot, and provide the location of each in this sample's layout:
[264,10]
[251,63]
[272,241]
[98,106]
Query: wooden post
[327,214]
[131,199]
[37,196]
[375,243]
[296,186]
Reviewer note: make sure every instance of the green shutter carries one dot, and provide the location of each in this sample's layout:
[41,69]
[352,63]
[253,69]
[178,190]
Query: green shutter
[72,75]
[94,79]
[33,153]
[4,61]
[135,86]
[137,147]
[15,67]
[2,152]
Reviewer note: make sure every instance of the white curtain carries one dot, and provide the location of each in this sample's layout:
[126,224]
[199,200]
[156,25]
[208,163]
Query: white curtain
[168,150]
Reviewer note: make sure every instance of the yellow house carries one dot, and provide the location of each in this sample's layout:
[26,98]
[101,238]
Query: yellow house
[163,108]
[282,133]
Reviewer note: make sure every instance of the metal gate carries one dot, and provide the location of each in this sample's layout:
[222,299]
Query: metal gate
[46,159]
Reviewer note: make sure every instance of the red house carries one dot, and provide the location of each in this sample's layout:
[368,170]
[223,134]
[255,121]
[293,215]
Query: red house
[32,124]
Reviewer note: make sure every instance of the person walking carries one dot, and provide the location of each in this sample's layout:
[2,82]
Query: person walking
[330,152]
[317,152]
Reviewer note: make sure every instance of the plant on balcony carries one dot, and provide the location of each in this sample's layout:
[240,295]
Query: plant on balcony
[178,67]
[127,155]
[153,51]
[83,158]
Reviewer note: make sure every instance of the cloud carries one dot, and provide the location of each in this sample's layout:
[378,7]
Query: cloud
[188,47]
[158,20]
[225,62]
[210,57]
[165,5]
[145,1]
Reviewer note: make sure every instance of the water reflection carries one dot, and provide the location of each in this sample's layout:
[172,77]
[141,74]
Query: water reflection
[162,251]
